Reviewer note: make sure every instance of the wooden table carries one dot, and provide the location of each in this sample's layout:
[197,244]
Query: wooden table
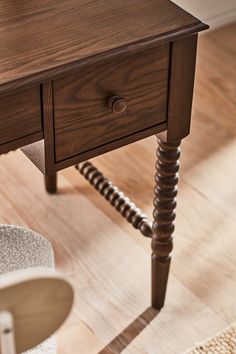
[80,78]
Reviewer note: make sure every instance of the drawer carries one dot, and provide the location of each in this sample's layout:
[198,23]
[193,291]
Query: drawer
[20,115]
[85,116]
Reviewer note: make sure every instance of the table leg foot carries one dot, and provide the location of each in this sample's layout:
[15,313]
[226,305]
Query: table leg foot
[165,191]
[51,183]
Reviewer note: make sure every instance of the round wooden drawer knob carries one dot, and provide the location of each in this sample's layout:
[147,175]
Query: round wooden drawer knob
[118,104]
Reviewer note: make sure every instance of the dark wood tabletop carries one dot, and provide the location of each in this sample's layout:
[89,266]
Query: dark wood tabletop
[47,37]
[80,78]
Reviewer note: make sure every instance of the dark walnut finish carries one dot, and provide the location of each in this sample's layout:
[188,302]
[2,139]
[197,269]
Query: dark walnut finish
[51,183]
[41,39]
[118,104]
[20,116]
[80,78]
[165,192]
[116,198]
[83,118]
[182,72]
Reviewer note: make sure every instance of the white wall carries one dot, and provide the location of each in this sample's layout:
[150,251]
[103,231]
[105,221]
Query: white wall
[214,12]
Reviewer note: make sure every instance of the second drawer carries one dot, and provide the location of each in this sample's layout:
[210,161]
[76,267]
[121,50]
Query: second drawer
[84,118]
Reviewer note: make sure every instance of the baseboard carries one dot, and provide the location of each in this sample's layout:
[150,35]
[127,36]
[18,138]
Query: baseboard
[222,19]
[222,13]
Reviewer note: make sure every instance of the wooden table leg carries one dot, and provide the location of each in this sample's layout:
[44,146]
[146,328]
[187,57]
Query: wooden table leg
[51,183]
[166,180]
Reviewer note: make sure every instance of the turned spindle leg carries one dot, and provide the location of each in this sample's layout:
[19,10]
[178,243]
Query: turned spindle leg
[51,183]
[166,180]
[116,198]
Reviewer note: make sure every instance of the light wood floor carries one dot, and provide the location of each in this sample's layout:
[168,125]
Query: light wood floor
[109,263]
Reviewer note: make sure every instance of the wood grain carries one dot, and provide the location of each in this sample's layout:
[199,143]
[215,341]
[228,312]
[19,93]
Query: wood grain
[15,144]
[89,255]
[48,126]
[111,146]
[82,116]
[201,289]
[36,151]
[20,115]
[41,153]
[49,37]
[182,74]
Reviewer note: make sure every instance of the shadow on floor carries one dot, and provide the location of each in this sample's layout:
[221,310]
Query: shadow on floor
[120,342]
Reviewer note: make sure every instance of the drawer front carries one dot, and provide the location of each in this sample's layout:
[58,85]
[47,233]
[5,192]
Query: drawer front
[20,114]
[83,118]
